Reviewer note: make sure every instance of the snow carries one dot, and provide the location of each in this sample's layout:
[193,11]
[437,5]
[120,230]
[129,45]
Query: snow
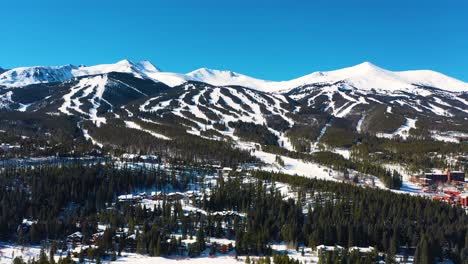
[44,74]
[402,131]
[254,100]
[359,124]
[346,153]
[361,249]
[88,137]
[322,132]
[438,110]
[5,100]
[9,252]
[291,166]
[28,222]
[347,110]
[131,124]
[23,107]
[434,79]
[449,136]
[141,259]
[73,101]
[445,138]
[411,188]
[140,69]
[38,74]
[226,78]
[364,76]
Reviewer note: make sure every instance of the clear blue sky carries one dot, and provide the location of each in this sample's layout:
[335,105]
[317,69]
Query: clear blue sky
[267,39]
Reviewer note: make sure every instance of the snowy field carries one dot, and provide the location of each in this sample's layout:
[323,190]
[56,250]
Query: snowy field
[140,259]
[9,252]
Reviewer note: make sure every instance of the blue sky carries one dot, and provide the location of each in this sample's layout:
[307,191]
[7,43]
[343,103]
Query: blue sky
[273,40]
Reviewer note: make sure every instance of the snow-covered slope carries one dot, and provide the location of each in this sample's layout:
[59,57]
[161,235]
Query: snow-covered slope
[5,100]
[38,74]
[139,69]
[226,78]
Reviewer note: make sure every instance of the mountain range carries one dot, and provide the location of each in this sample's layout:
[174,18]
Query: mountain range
[364,76]
[333,108]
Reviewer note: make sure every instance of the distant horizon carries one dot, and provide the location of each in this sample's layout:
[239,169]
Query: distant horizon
[270,40]
[211,68]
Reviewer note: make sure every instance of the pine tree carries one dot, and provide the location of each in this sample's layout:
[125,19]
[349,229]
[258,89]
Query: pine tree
[157,250]
[201,238]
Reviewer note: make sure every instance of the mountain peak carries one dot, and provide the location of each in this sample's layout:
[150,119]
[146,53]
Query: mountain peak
[140,66]
[125,63]
[367,64]
[145,64]
[365,67]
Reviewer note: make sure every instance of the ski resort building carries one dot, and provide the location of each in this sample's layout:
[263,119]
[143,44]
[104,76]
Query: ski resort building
[464,199]
[446,176]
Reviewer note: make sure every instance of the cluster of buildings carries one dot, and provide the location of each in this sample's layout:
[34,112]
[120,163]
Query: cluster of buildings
[452,195]
[448,186]
[443,177]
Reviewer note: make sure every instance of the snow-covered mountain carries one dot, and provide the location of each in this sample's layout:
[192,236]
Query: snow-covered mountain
[24,76]
[327,107]
[364,76]
[38,74]
[226,78]
[365,98]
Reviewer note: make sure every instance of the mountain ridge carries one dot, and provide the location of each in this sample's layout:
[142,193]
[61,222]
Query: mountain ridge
[363,76]
[302,119]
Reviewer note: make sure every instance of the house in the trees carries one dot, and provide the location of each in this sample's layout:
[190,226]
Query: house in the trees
[361,251]
[322,249]
[75,237]
[26,225]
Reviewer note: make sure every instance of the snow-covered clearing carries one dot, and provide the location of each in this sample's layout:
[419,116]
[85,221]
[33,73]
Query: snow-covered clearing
[88,137]
[402,131]
[291,166]
[141,259]
[348,109]
[449,136]
[359,124]
[134,125]
[9,252]
[322,132]
[439,111]
[346,153]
